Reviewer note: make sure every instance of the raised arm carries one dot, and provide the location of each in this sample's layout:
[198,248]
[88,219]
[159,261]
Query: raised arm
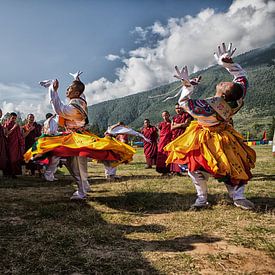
[188,85]
[58,106]
[224,58]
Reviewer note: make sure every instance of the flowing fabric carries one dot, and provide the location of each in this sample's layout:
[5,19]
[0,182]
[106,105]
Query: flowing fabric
[219,150]
[178,118]
[82,144]
[150,148]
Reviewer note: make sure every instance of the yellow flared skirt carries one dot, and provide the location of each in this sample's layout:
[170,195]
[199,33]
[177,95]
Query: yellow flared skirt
[219,150]
[82,144]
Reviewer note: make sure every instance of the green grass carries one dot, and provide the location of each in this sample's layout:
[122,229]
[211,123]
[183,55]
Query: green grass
[140,224]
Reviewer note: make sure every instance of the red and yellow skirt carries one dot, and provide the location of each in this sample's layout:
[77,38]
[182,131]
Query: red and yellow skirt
[219,150]
[81,144]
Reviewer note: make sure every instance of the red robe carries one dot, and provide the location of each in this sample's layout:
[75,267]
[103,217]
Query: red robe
[150,149]
[3,149]
[165,135]
[178,118]
[29,141]
[31,137]
[15,150]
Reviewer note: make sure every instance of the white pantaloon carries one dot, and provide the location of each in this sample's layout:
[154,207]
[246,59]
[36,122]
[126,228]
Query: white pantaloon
[110,171]
[51,168]
[78,168]
[200,178]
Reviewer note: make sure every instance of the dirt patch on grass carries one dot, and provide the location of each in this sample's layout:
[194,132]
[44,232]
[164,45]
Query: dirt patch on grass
[227,258]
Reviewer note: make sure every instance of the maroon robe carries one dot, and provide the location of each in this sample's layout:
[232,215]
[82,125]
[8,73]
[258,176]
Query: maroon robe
[29,141]
[3,149]
[150,148]
[165,135]
[31,137]
[178,118]
[15,142]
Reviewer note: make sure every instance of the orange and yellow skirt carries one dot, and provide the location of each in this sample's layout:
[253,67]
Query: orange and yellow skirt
[81,144]
[219,150]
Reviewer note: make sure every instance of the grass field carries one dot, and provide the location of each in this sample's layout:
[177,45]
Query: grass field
[140,224]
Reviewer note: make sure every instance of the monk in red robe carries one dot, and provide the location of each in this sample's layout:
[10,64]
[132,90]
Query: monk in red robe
[31,131]
[180,122]
[15,142]
[3,147]
[165,136]
[150,148]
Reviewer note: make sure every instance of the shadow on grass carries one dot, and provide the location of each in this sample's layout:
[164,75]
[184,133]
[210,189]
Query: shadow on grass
[263,177]
[62,237]
[263,204]
[149,202]
[158,203]
[28,181]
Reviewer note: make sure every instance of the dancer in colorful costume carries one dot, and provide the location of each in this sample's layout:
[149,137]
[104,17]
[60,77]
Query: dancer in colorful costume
[210,145]
[76,143]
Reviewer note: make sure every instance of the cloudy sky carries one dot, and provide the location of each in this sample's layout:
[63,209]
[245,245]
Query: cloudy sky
[122,46]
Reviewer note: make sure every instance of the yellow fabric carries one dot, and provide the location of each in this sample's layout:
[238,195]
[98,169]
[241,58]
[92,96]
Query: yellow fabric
[76,140]
[221,146]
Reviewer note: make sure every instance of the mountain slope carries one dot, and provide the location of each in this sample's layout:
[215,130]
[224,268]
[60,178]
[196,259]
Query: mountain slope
[257,112]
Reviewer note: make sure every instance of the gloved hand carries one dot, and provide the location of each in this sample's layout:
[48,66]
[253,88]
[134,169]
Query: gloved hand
[76,75]
[224,56]
[182,75]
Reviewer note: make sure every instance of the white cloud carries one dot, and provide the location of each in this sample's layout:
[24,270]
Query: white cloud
[21,98]
[112,57]
[159,29]
[188,41]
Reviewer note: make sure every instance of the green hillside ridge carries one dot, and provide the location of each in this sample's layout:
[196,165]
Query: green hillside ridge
[257,115]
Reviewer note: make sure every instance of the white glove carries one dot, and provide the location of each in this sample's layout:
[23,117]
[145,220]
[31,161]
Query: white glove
[224,56]
[46,83]
[182,75]
[76,75]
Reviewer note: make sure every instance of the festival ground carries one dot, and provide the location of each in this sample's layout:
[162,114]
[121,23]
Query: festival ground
[139,224]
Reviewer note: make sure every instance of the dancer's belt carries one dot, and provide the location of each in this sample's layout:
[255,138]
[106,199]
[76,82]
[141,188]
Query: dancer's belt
[76,129]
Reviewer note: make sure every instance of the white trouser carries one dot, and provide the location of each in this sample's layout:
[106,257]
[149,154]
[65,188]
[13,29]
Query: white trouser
[52,167]
[110,171]
[235,192]
[78,168]
[200,178]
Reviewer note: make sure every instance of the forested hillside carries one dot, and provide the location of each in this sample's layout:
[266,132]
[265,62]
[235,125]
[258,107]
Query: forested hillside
[256,116]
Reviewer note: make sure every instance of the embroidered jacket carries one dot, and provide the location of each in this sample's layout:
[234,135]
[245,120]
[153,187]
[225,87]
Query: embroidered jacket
[74,114]
[214,110]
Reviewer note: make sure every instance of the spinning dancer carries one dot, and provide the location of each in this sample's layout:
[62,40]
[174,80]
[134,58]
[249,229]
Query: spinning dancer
[210,145]
[76,143]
